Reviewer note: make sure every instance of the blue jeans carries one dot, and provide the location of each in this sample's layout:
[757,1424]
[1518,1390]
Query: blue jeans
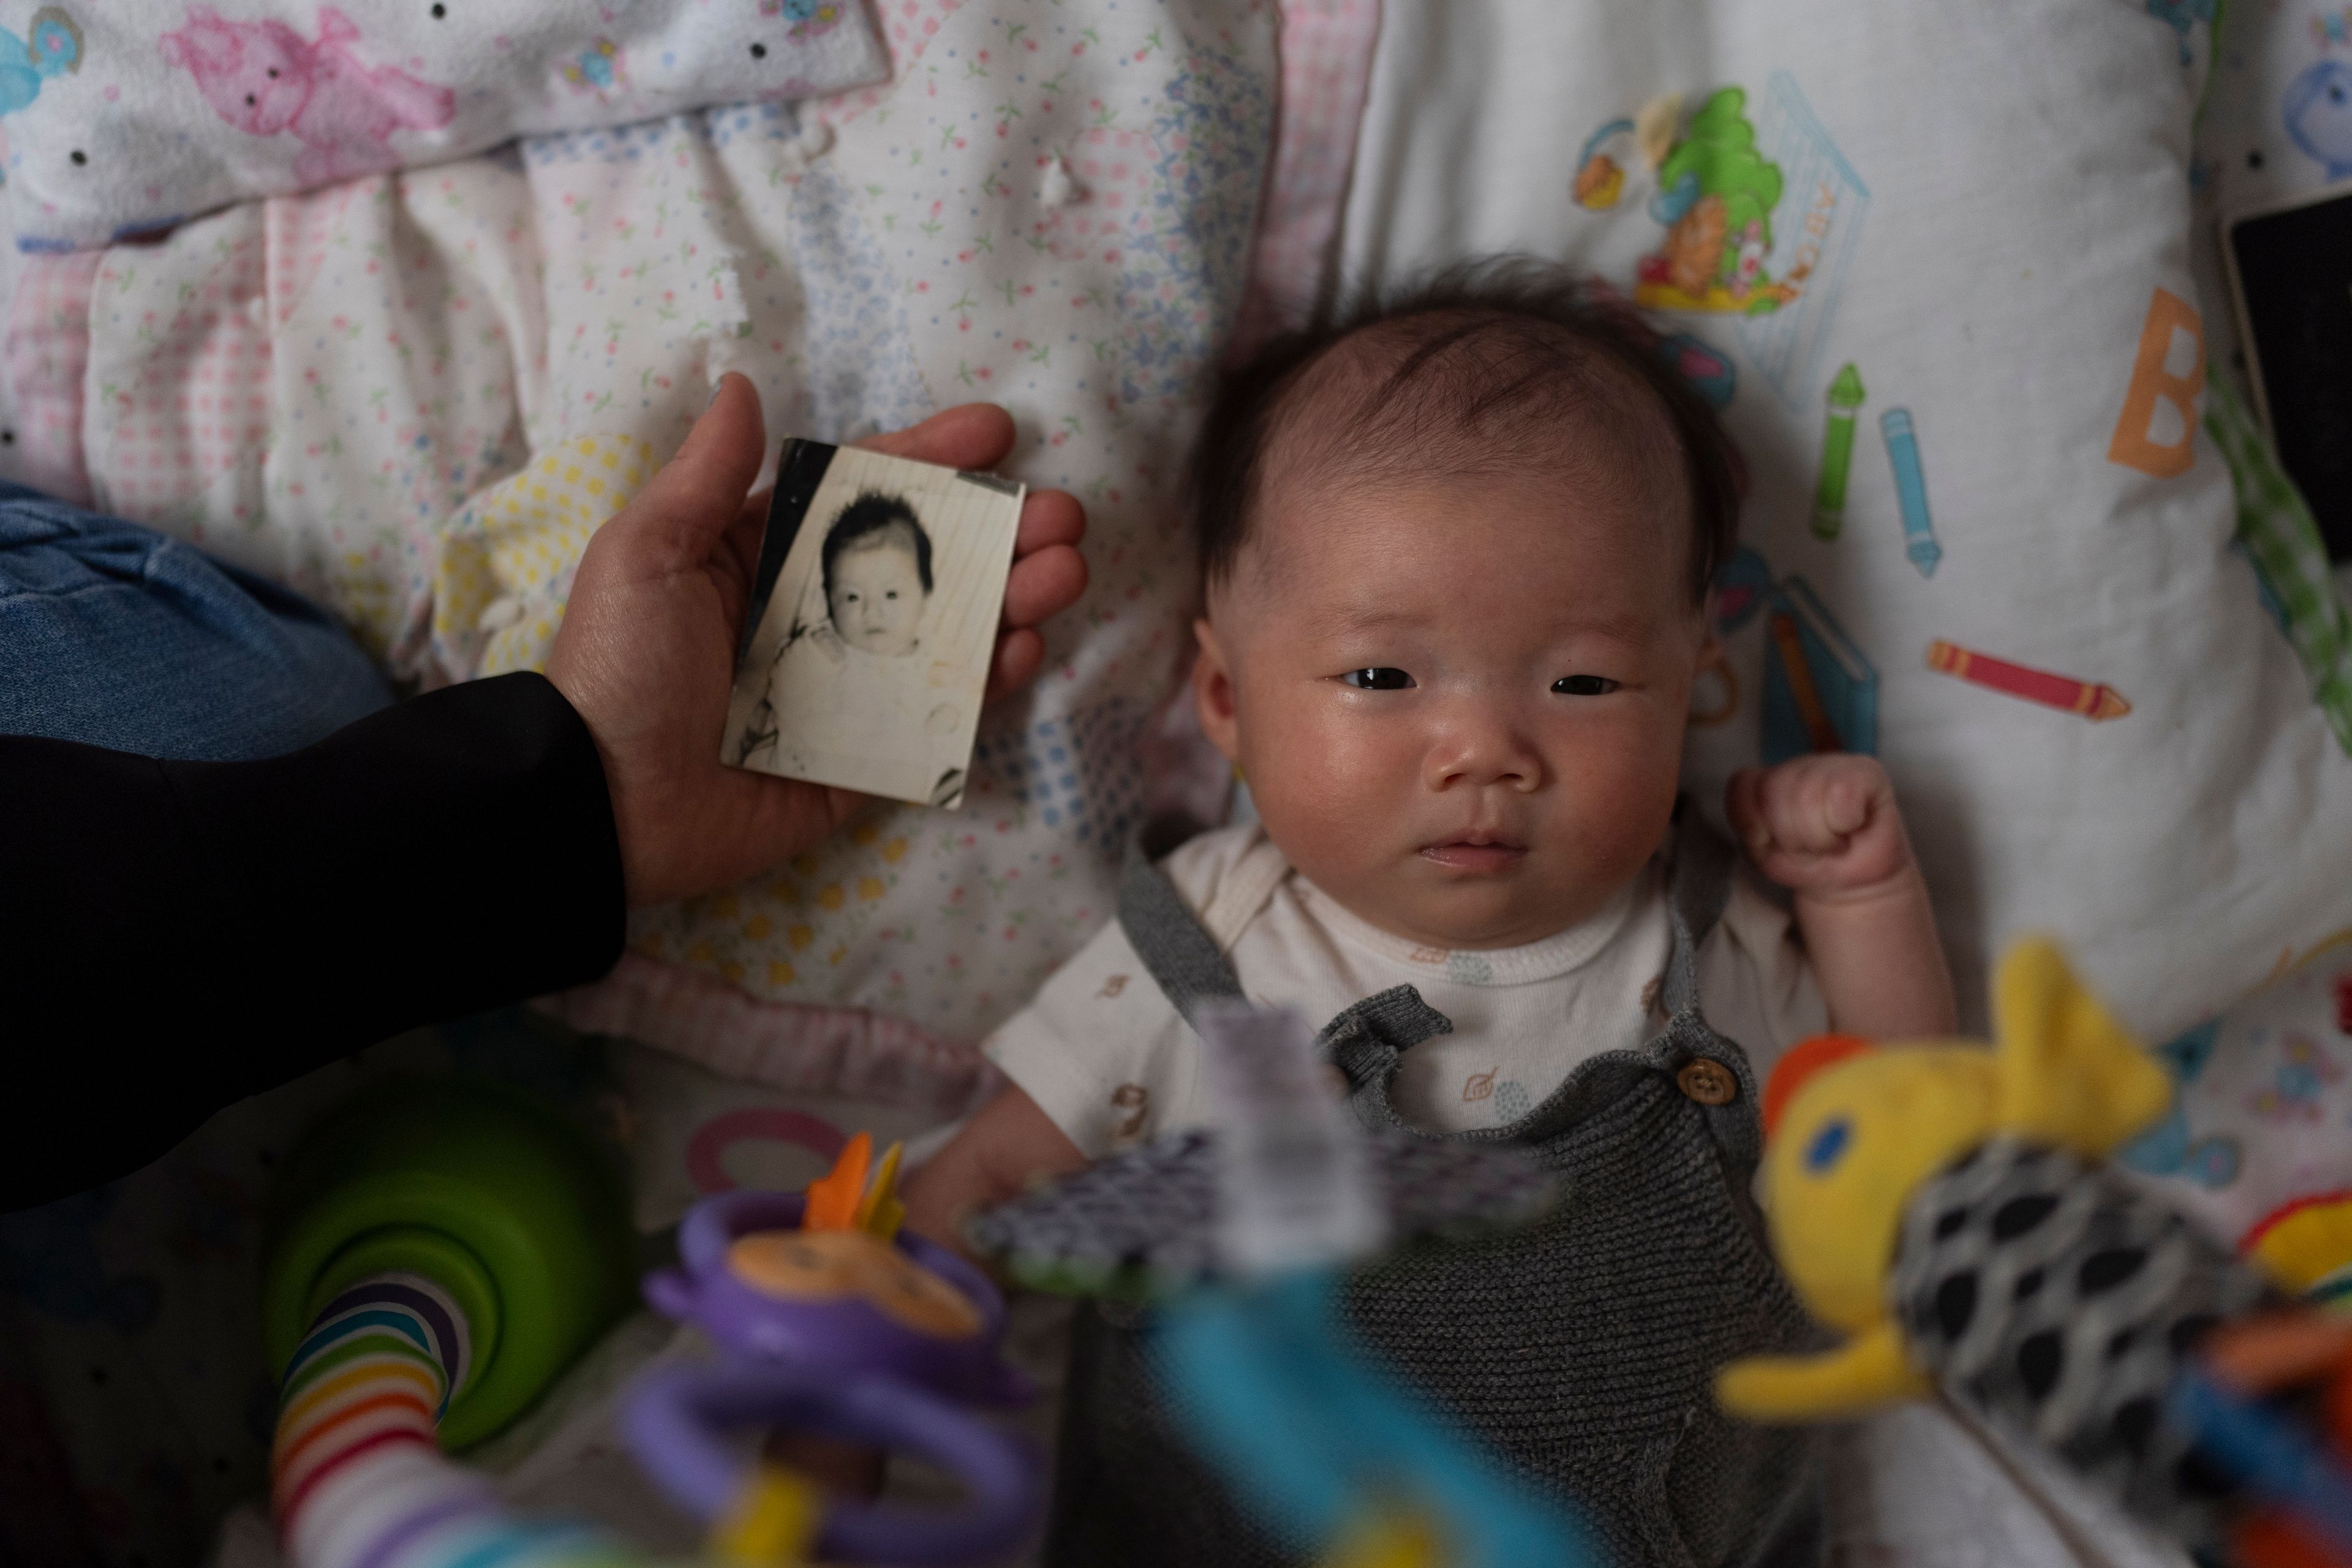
[112,634]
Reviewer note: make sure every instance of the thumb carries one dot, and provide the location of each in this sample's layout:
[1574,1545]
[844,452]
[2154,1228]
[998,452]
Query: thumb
[686,508]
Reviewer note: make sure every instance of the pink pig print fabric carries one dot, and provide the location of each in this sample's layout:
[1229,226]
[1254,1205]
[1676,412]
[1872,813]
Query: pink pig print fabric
[137,115]
[266,79]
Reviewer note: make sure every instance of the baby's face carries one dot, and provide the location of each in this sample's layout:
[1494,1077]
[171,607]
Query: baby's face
[877,598]
[1460,706]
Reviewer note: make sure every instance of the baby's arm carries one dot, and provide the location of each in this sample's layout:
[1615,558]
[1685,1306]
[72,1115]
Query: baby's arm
[1010,1142]
[1826,827]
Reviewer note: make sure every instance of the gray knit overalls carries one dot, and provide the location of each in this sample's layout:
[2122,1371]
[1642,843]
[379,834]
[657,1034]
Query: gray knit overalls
[1581,1349]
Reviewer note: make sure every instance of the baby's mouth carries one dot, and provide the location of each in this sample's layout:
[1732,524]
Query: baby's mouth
[1475,852]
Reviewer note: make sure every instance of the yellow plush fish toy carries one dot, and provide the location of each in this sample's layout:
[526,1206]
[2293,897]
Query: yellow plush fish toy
[1868,1163]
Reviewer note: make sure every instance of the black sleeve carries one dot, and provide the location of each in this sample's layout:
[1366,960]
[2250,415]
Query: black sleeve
[175,936]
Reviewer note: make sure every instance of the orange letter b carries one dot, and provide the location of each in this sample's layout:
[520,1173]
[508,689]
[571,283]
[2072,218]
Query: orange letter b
[2150,381]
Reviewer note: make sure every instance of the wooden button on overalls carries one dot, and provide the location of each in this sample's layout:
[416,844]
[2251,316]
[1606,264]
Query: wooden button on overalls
[1709,1082]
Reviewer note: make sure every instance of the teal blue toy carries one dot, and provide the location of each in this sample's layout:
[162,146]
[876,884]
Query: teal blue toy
[1319,1438]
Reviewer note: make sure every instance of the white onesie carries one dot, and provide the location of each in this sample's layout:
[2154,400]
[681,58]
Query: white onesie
[1106,1054]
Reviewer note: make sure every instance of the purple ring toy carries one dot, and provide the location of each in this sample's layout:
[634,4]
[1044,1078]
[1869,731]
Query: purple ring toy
[674,1416]
[847,1335]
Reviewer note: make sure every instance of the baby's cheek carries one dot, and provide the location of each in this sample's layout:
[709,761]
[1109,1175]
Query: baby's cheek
[1330,794]
[1619,786]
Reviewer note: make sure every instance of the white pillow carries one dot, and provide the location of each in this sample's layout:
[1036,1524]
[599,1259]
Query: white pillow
[131,116]
[1986,211]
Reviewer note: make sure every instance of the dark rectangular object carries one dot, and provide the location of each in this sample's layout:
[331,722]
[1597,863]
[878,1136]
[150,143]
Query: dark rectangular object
[2291,271]
[799,472]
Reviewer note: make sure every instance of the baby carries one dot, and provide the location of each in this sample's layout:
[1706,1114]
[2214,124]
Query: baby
[876,562]
[1457,552]
[859,663]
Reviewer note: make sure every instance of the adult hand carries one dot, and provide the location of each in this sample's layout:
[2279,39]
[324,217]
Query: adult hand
[646,652]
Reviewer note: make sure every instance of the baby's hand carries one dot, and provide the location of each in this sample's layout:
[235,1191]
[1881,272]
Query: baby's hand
[1824,827]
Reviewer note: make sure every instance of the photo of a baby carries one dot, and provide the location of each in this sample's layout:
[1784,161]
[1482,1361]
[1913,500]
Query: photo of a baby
[871,623]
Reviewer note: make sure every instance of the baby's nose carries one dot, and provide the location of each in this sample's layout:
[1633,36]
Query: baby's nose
[1486,749]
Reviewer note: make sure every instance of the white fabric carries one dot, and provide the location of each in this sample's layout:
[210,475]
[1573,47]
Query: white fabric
[133,115]
[1105,1053]
[1984,203]
[2255,1134]
[414,397]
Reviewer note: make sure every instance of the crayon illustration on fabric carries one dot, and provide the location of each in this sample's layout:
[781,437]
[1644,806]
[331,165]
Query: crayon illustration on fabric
[871,622]
[1846,395]
[1911,484]
[2094,700]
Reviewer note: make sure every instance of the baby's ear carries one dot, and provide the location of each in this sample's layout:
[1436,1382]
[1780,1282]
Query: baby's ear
[1213,691]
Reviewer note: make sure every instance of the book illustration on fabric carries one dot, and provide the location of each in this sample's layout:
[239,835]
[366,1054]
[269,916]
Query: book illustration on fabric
[1820,691]
[1761,216]
[1818,232]
[1714,199]
[872,621]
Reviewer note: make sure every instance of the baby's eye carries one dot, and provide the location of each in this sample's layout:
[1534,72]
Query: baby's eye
[1583,686]
[1382,678]
[891,594]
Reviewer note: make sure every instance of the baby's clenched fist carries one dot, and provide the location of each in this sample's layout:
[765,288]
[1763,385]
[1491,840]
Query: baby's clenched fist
[1825,827]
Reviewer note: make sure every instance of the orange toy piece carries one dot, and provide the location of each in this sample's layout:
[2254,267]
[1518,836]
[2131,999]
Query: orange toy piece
[1804,1060]
[2275,1540]
[833,1198]
[858,1192]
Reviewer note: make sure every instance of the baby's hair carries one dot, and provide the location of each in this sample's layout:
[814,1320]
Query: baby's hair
[1500,358]
[863,525]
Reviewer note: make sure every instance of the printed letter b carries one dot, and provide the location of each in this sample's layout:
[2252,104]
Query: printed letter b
[2151,381]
